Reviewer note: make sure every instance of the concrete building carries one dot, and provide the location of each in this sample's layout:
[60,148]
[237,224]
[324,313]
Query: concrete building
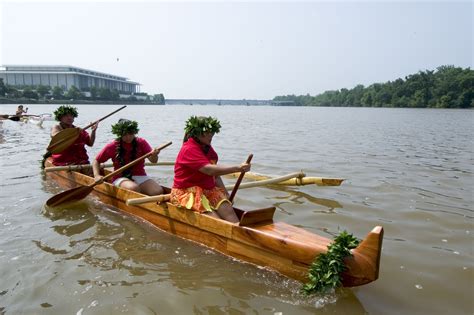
[65,76]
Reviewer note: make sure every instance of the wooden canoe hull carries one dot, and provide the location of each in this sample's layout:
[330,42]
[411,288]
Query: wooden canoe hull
[276,245]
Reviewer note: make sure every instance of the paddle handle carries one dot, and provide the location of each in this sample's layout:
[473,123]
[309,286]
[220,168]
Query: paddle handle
[120,170]
[241,176]
[95,122]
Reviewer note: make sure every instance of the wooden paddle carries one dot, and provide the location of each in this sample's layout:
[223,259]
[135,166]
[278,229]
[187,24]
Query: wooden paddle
[78,193]
[63,139]
[237,183]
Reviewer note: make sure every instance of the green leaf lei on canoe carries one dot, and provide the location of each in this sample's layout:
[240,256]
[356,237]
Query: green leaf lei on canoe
[196,126]
[125,126]
[325,271]
[64,110]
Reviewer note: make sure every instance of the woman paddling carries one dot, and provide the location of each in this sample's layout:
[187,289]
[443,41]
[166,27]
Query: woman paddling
[124,149]
[76,153]
[197,182]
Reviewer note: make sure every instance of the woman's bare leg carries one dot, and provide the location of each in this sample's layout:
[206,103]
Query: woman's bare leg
[226,212]
[151,188]
[213,214]
[130,185]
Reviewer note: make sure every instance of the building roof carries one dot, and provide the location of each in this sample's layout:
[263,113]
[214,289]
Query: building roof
[63,69]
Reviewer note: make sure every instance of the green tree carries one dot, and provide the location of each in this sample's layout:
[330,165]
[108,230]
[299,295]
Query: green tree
[448,87]
[12,92]
[419,99]
[29,93]
[42,90]
[74,93]
[114,95]
[58,92]
[94,92]
[3,88]
[104,93]
[367,99]
[159,99]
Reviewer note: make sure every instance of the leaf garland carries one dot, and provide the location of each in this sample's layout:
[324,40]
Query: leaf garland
[196,126]
[64,110]
[325,271]
[125,126]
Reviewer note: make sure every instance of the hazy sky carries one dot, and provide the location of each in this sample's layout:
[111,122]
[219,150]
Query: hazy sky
[252,50]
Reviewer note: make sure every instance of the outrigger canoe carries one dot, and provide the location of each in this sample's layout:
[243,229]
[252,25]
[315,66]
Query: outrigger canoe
[257,239]
[36,119]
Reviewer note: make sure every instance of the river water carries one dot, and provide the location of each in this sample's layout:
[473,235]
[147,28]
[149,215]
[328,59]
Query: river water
[409,170]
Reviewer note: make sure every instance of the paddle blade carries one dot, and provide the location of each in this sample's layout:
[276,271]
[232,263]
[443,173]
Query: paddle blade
[63,140]
[69,196]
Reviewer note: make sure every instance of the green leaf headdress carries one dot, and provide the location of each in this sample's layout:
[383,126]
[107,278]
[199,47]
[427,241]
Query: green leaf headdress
[125,126]
[196,126]
[64,110]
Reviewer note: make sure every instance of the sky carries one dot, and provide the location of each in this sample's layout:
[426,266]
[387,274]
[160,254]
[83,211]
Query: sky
[240,50]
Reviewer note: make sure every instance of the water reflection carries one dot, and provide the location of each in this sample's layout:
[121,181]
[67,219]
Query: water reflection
[301,198]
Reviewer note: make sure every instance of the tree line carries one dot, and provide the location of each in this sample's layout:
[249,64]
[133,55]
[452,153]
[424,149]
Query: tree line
[447,87]
[42,92]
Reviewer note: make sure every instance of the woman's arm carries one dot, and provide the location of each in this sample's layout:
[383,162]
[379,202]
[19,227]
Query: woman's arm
[55,130]
[217,170]
[92,136]
[96,170]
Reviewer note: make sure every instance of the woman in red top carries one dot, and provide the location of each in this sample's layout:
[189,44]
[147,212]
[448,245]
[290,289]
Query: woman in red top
[197,182]
[123,150]
[76,153]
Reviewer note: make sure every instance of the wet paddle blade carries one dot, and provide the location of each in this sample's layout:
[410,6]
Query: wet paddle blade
[63,140]
[69,196]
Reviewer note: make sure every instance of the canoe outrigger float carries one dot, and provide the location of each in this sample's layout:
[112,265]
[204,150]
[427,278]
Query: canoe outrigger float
[256,238]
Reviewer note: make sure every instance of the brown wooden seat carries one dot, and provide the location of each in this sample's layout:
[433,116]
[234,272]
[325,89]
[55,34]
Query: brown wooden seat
[255,216]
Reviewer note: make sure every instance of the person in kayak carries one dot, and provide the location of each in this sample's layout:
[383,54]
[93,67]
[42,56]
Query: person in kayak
[197,183]
[20,111]
[76,153]
[126,148]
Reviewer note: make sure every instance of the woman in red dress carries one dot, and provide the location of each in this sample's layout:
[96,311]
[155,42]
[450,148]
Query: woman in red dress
[76,153]
[126,148]
[197,183]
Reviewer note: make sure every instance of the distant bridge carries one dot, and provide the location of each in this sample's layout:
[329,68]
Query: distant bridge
[216,102]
